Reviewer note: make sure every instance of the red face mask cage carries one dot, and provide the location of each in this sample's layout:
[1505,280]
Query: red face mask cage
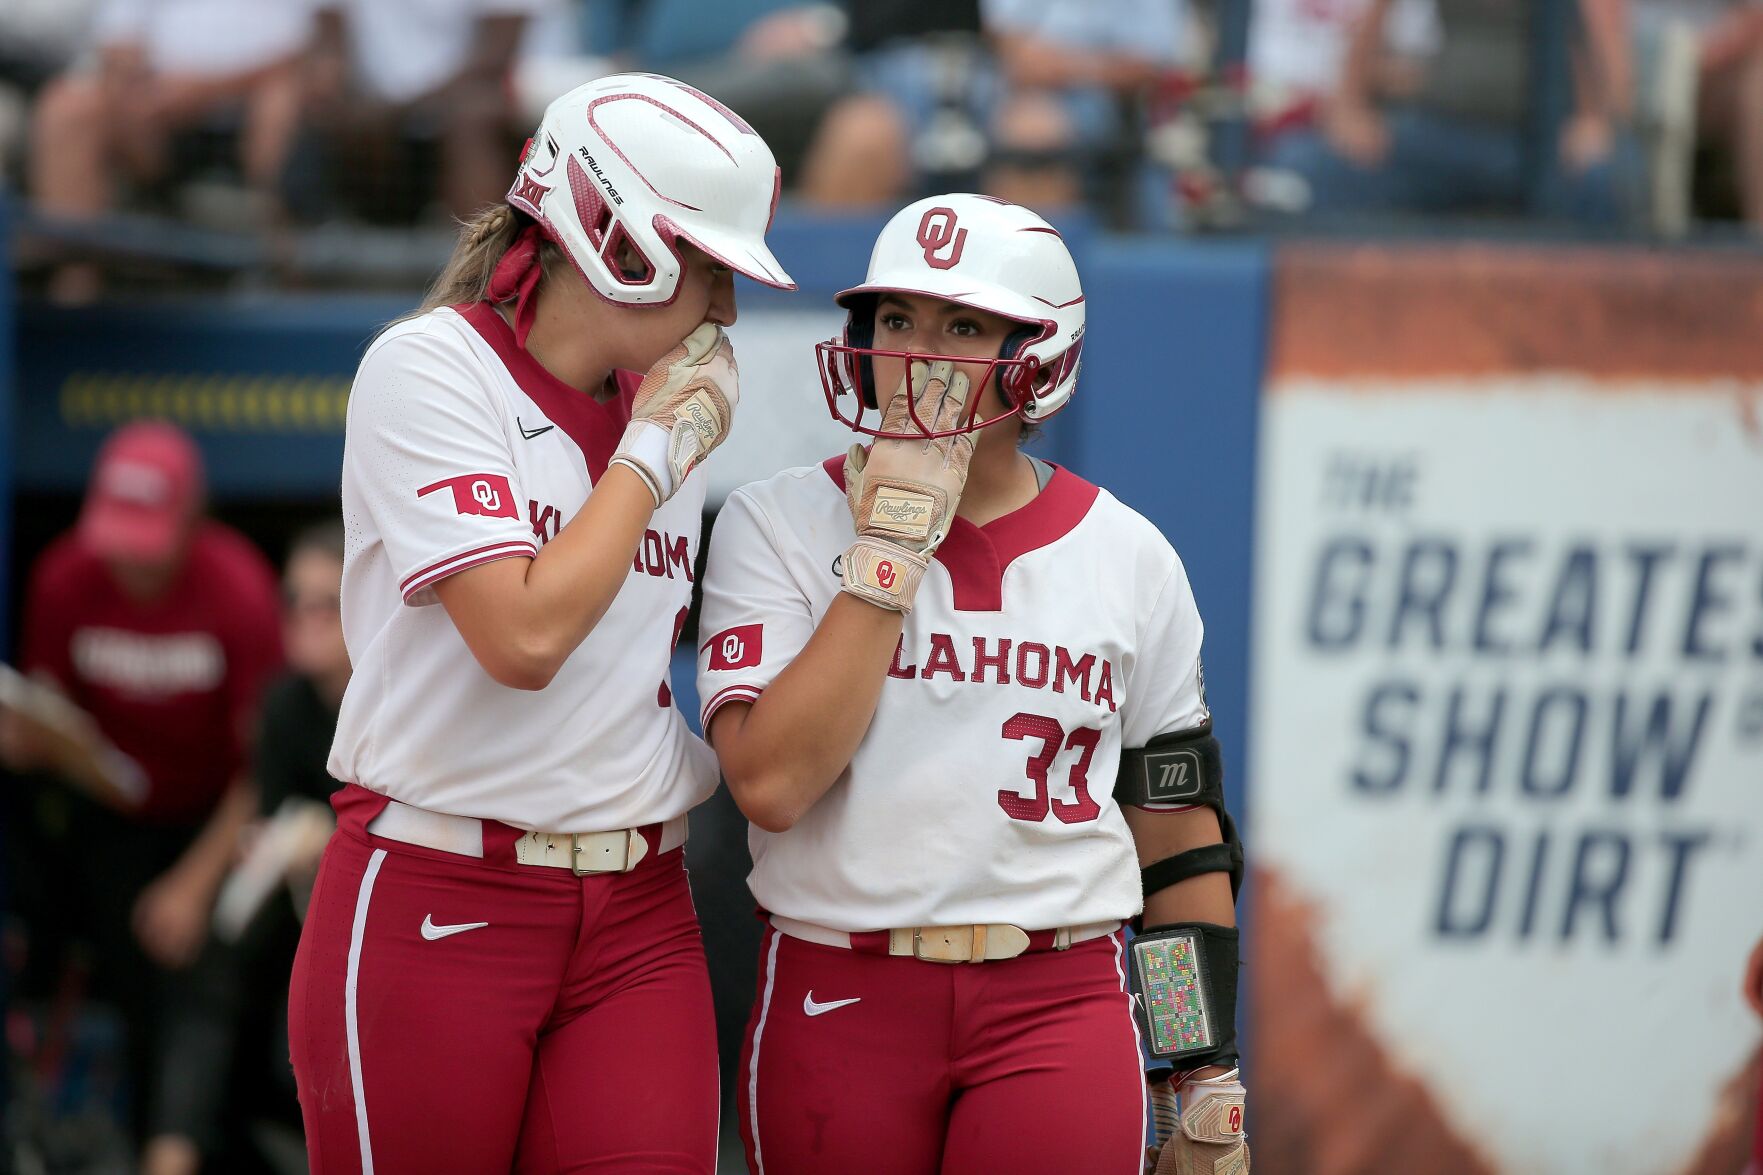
[843,372]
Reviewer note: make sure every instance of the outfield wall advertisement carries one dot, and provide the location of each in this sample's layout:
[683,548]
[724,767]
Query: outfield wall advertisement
[1507,745]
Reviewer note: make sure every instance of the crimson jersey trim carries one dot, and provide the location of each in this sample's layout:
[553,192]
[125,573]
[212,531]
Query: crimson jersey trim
[595,427]
[976,557]
[732,693]
[465,560]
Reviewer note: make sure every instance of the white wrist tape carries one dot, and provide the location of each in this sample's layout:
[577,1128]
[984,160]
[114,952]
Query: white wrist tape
[1212,1108]
[644,449]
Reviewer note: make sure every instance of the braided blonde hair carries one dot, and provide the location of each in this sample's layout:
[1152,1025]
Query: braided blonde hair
[482,241]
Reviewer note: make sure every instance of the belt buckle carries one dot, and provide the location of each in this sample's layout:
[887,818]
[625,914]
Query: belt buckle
[946,946]
[617,853]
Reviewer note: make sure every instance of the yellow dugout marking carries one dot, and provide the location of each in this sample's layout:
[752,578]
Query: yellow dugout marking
[207,402]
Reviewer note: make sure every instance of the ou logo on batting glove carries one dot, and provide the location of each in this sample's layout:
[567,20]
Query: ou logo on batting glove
[936,232]
[884,575]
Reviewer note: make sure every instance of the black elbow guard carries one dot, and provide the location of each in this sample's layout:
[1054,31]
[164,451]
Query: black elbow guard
[1171,769]
[1182,769]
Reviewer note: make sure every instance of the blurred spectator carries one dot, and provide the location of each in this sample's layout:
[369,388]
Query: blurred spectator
[1023,97]
[161,627]
[37,40]
[781,63]
[1073,73]
[412,102]
[300,709]
[1452,138]
[922,79]
[157,71]
[39,37]
[1729,96]
[246,1077]
[1298,48]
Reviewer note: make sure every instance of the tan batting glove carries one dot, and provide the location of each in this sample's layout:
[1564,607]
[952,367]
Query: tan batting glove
[682,411]
[1208,1137]
[903,493]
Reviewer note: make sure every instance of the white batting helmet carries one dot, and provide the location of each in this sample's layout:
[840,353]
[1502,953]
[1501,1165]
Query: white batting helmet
[977,251]
[644,159]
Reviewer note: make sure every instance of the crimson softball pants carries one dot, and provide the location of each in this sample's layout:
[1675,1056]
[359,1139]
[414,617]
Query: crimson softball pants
[454,1014]
[894,1066]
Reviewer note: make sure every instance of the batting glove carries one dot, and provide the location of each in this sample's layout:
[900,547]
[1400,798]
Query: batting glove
[1200,1126]
[683,410]
[903,493]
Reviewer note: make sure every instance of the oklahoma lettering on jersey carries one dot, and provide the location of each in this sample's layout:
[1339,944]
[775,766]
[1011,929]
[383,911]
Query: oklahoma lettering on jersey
[1039,646]
[1037,667]
[461,450]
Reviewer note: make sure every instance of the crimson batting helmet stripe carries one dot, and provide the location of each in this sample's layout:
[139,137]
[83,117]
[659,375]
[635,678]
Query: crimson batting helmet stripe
[665,109]
[739,123]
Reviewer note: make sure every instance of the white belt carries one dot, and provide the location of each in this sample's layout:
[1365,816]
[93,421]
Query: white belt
[970,943]
[617,851]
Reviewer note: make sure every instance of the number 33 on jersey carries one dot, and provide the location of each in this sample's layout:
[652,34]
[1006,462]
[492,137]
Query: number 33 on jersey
[989,766]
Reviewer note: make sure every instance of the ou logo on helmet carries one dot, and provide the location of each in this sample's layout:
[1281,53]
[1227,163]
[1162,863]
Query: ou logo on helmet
[732,648]
[937,231]
[486,495]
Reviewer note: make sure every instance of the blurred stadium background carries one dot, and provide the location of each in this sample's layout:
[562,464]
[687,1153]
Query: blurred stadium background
[1430,331]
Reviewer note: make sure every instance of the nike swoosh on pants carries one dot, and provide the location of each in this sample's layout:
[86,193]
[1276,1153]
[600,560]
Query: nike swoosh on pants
[813,1009]
[432,932]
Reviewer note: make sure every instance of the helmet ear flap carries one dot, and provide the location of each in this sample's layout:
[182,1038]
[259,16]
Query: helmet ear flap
[860,333]
[1021,387]
[1019,338]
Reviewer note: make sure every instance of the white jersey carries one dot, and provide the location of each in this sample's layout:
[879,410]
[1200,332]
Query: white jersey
[1039,646]
[461,449]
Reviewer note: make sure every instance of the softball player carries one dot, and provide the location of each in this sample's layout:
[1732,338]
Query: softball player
[931,669]
[501,968]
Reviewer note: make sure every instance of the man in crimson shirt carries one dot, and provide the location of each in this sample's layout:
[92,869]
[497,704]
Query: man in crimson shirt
[162,626]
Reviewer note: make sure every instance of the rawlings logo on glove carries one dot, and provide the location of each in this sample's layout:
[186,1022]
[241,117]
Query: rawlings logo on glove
[905,512]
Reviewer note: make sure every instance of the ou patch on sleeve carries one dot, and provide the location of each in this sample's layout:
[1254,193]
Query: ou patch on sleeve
[740,647]
[487,494]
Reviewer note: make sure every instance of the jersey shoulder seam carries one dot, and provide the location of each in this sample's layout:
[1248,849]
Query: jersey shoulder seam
[439,327]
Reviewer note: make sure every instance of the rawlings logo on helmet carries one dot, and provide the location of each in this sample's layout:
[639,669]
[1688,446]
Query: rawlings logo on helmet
[611,192]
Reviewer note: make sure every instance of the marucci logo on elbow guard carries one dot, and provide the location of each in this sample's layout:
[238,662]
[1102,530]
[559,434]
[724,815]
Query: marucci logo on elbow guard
[485,494]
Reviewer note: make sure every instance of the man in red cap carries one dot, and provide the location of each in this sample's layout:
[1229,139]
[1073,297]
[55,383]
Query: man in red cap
[160,627]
